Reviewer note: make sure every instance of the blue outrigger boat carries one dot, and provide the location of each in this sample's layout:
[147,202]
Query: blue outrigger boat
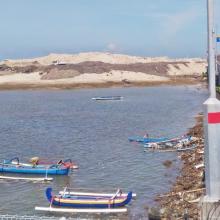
[13,166]
[88,201]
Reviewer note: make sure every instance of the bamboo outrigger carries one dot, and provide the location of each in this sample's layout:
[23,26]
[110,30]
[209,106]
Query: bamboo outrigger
[43,179]
[68,210]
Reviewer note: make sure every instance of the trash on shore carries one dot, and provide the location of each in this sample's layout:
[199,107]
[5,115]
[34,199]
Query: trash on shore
[184,143]
[189,186]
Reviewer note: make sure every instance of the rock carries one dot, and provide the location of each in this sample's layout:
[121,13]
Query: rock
[167,163]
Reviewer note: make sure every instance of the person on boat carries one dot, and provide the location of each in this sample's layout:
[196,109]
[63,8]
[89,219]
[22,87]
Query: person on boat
[34,161]
[146,135]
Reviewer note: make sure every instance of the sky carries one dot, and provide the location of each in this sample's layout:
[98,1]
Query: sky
[173,28]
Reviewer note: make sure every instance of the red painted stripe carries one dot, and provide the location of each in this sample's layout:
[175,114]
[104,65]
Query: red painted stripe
[214,118]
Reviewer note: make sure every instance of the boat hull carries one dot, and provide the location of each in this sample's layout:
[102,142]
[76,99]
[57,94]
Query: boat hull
[25,170]
[88,202]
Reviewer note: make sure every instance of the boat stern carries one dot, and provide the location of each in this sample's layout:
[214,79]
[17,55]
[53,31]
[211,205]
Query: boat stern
[48,193]
[128,199]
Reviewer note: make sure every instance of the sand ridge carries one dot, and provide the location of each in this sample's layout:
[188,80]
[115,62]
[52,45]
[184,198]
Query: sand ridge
[96,68]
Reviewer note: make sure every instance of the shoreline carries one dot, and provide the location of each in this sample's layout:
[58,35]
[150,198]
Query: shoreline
[184,195]
[124,84]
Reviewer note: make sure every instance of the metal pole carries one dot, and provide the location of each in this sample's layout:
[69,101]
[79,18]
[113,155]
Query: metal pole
[211,48]
[212,117]
[211,128]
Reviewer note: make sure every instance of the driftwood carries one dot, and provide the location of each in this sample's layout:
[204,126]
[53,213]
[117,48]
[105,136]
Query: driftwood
[181,193]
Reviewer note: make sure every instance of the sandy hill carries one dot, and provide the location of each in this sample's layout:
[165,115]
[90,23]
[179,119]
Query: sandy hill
[95,56]
[95,67]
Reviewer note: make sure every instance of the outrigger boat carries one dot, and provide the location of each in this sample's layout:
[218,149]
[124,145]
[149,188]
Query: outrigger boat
[14,166]
[106,98]
[37,161]
[85,201]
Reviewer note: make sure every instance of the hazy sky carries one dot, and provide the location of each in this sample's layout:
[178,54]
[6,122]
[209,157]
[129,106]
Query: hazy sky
[175,28]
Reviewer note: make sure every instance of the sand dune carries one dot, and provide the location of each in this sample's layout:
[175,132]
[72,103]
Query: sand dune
[97,56]
[95,67]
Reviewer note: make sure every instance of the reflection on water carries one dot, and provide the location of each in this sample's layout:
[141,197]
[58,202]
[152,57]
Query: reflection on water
[68,124]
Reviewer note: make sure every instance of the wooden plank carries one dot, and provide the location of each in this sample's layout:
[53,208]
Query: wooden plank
[26,178]
[69,210]
[95,194]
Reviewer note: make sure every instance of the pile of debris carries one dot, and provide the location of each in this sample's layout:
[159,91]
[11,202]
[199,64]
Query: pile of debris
[183,198]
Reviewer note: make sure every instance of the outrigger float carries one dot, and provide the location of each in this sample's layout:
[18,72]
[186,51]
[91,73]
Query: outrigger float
[100,203]
[68,210]
[35,179]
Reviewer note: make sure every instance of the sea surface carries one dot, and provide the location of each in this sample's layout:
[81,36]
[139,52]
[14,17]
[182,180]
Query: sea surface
[63,124]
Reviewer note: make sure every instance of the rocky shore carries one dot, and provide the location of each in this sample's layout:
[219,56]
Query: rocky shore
[183,198]
[92,70]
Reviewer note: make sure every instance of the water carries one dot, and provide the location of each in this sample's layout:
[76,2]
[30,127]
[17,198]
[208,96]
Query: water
[68,124]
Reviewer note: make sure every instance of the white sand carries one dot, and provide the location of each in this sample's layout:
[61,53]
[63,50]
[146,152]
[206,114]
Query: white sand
[117,76]
[95,56]
[113,76]
[20,78]
[190,69]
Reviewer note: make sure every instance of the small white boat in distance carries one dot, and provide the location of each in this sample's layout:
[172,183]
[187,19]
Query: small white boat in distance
[106,98]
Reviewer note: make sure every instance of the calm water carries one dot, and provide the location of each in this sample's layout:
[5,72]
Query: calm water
[68,124]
